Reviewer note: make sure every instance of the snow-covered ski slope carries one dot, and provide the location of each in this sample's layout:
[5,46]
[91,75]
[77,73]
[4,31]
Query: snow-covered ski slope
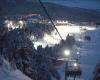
[10,73]
[90,54]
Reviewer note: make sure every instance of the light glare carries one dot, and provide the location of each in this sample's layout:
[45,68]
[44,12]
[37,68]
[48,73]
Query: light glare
[78,53]
[67,52]
[75,64]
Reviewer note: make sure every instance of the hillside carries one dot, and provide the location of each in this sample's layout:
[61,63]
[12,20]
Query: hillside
[56,11]
[7,72]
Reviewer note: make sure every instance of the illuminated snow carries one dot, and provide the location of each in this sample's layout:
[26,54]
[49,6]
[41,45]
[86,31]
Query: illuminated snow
[64,30]
[7,72]
[49,39]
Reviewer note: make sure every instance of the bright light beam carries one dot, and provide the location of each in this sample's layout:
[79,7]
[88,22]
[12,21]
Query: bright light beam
[75,64]
[78,53]
[67,52]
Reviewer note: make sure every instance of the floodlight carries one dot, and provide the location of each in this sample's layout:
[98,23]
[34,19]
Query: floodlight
[67,52]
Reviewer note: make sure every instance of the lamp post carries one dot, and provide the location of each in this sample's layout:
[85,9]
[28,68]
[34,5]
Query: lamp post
[67,54]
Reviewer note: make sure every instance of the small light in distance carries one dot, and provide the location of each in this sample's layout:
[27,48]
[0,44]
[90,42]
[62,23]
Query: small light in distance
[21,22]
[75,64]
[78,53]
[67,52]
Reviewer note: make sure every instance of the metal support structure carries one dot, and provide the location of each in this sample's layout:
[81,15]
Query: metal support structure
[74,77]
[66,66]
[72,70]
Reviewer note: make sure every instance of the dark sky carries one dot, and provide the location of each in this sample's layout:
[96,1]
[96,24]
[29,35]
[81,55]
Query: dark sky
[90,4]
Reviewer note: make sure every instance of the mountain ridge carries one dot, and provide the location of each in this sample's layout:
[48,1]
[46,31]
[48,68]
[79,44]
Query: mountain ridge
[56,11]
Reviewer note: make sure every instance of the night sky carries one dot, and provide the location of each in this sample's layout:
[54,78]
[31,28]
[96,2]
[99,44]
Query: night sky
[90,4]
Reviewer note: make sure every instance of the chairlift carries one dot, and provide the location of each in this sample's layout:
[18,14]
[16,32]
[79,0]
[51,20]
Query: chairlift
[72,69]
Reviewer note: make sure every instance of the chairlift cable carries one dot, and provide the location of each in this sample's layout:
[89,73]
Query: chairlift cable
[42,5]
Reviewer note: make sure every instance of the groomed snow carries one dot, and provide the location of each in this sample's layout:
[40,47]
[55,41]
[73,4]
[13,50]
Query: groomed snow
[9,73]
